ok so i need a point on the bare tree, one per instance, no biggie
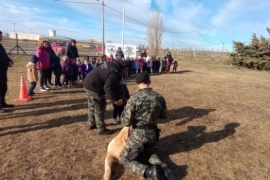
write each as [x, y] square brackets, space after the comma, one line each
[154, 34]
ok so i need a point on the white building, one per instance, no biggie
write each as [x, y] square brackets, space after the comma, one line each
[52, 32]
[24, 36]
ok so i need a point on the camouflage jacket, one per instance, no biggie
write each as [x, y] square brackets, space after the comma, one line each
[144, 108]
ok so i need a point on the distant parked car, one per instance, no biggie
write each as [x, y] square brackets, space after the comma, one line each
[99, 49]
[59, 47]
[88, 46]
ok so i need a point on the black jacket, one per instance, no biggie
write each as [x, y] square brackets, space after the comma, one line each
[119, 55]
[105, 79]
[57, 68]
[4, 59]
[72, 52]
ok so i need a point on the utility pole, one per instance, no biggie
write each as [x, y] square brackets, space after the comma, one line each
[194, 50]
[14, 27]
[222, 46]
[102, 4]
[103, 28]
[123, 25]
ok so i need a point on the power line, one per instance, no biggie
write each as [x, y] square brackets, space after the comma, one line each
[138, 22]
[206, 39]
[143, 23]
[77, 2]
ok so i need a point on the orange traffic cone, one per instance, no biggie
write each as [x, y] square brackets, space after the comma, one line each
[23, 92]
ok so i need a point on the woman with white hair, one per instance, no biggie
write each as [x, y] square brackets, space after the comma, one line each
[148, 61]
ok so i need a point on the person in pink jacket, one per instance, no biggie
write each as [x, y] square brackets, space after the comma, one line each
[43, 64]
[140, 63]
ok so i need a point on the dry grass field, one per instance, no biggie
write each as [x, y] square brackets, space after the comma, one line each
[218, 127]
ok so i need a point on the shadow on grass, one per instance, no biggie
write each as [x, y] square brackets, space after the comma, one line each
[68, 91]
[194, 138]
[181, 72]
[185, 114]
[53, 123]
[68, 105]
[62, 121]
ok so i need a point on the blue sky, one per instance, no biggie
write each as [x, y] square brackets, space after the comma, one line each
[216, 21]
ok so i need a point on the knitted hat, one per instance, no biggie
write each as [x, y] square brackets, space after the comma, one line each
[33, 59]
[142, 77]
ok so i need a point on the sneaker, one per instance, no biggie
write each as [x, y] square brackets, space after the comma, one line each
[59, 87]
[116, 121]
[5, 105]
[47, 88]
[43, 89]
[105, 131]
[92, 127]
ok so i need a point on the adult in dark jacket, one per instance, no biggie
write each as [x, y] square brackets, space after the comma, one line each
[154, 66]
[103, 80]
[50, 70]
[71, 50]
[119, 55]
[157, 65]
[57, 71]
[5, 63]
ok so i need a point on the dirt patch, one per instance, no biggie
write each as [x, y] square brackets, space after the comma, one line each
[218, 127]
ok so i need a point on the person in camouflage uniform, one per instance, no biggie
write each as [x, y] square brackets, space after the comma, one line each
[142, 112]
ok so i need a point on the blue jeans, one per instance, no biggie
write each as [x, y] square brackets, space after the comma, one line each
[31, 88]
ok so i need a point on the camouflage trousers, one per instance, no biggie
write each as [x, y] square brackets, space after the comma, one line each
[140, 151]
[96, 109]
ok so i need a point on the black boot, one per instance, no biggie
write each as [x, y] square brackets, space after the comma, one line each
[155, 172]
[169, 174]
[5, 105]
[1, 110]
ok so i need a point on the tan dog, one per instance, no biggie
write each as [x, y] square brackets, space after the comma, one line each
[115, 150]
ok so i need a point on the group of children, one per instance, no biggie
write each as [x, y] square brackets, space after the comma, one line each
[152, 65]
[71, 70]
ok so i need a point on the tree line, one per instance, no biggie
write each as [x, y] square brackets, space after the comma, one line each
[256, 55]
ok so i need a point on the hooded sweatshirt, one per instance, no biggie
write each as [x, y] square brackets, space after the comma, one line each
[105, 79]
[44, 58]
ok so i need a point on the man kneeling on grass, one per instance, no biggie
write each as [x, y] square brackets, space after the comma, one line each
[142, 112]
